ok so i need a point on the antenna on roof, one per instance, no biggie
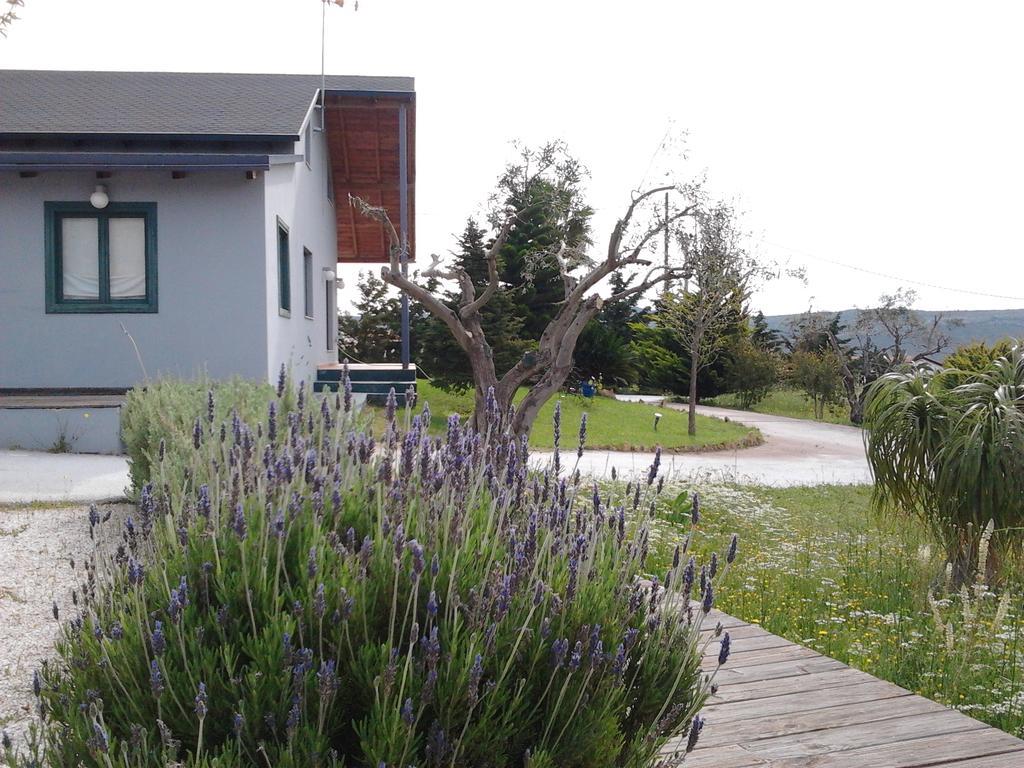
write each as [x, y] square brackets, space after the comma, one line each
[323, 55]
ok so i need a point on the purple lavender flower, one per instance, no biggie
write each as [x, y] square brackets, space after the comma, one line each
[713, 567]
[347, 389]
[432, 604]
[203, 501]
[583, 435]
[238, 724]
[116, 631]
[709, 598]
[158, 642]
[209, 406]
[724, 648]
[327, 679]
[99, 740]
[310, 464]
[136, 573]
[201, 701]
[156, 679]
[695, 509]
[272, 421]
[293, 716]
[652, 473]
[476, 673]
[418, 563]
[733, 546]
[696, 726]
[577, 656]
[408, 716]
[238, 524]
[319, 602]
[391, 406]
[619, 662]
[437, 745]
[37, 683]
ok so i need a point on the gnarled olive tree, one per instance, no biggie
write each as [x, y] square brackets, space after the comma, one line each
[631, 244]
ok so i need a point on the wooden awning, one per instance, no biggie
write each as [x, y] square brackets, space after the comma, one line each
[365, 145]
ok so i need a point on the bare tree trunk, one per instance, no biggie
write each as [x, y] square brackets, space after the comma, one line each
[691, 415]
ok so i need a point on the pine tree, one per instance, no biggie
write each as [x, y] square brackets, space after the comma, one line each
[373, 334]
[551, 215]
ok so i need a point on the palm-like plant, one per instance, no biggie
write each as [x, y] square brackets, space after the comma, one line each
[948, 445]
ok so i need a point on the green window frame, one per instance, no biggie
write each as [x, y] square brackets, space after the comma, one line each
[284, 281]
[104, 303]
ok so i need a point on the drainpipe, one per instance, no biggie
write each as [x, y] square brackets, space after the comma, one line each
[403, 221]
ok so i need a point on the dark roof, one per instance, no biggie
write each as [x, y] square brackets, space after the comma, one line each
[169, 103]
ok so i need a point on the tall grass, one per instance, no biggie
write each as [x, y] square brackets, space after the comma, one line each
[820, 568]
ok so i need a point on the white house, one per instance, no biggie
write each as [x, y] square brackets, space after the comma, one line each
[178, 224]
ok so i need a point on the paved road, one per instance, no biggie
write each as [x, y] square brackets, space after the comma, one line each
[795, 452]
[62, 477]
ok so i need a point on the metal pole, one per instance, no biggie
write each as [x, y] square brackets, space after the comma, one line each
[403, 221]
[668, 283]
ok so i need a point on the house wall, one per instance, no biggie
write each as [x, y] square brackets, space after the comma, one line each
[298, 195]
[211, 290]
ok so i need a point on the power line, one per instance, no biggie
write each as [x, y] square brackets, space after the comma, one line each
[897, 278]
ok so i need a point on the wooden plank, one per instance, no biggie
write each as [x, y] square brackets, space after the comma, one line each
[748, 644]
[844, 738]
[801, 722]
[762, 689]
[916, 753]
[737, 633]
[1004, 760]
[723, 757]
[768, 656]
[739, 675]
[875, 690]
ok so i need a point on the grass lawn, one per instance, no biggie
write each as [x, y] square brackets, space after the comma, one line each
[785, 402]
[611, 424]
[822, 569]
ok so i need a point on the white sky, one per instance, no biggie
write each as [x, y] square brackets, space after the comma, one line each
[885, 135]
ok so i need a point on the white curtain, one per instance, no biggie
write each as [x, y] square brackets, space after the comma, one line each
[127, 258]
[80, 258]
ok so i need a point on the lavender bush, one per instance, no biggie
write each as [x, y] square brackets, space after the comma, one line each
[295, 592]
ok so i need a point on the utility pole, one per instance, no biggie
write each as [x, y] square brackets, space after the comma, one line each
[668, 283]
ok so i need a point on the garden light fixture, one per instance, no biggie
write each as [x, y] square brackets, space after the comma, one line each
[99, 198]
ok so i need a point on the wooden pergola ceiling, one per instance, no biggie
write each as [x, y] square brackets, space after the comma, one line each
[363, 137]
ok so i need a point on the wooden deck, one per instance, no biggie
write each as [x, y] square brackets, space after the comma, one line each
[780, 705]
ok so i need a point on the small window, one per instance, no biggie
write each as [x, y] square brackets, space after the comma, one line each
[100, 260]
[307, 144]
[331, 310]
[307, 281]
[284, 285]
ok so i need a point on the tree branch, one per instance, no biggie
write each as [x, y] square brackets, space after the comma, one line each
[392, 274]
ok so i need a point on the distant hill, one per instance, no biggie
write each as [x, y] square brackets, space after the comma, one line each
[986, 325]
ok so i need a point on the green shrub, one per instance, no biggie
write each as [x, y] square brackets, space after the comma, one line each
[166, 411]
[292, 592]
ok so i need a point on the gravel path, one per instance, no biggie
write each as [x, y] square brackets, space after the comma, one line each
[37, 546]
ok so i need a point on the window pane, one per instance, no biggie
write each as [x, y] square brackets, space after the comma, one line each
[307, 269]
[127, 258]
[80, 258]
[283, 276]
